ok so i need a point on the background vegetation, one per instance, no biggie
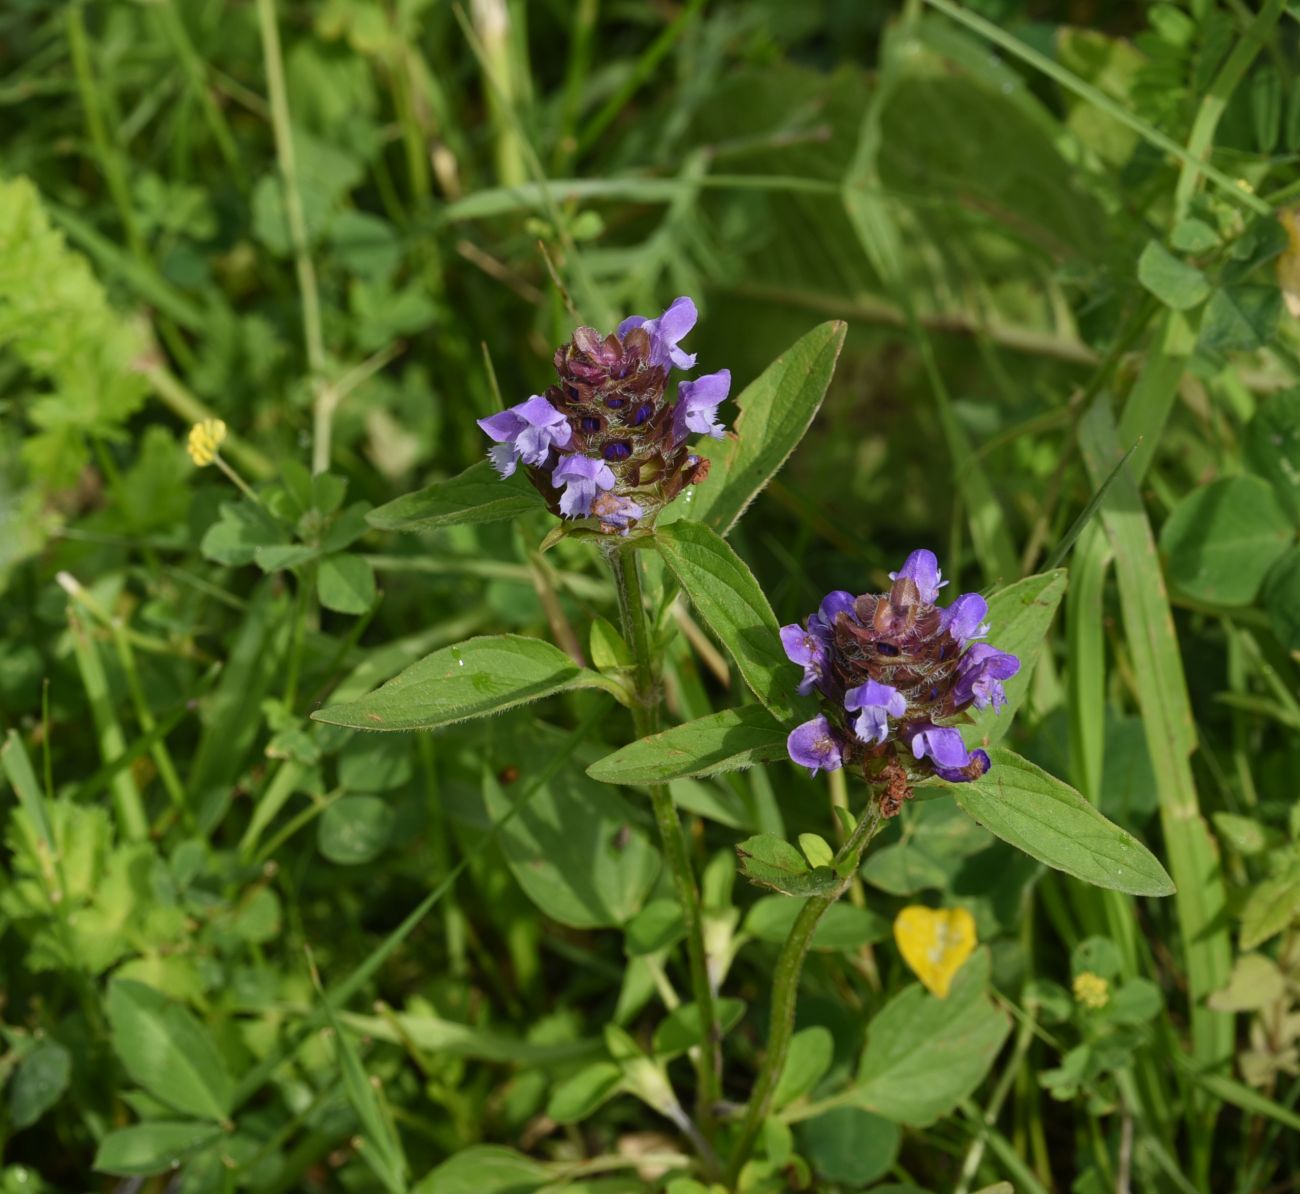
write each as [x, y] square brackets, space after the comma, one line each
[349, 228]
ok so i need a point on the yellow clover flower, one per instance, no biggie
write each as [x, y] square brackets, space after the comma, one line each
[205, 440]
[1091, 990]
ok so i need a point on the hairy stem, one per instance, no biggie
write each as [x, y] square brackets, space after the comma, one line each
[645, 717]
[785, 991]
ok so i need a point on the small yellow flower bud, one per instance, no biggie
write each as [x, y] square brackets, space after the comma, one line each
[205, 439]
[1091, 990]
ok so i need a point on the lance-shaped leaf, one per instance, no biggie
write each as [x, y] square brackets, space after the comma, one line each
[476, 495]
[475, 678]
[727, 597]
[774, 412]
[725, 741]
[1050, 821]
[156, 1146]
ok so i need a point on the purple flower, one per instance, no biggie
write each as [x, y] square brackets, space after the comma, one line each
[808, 650]
[922, 567]
[877, 702]
[813, 745]
[665, 331]
[527, 431]
[582, 477]
[942, 745]
[977, 766]
[697, 405]
[616, 511]
[963, 619]
[834, 603]
[980, 673]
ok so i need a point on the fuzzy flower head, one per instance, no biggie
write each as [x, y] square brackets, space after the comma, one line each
[897, 675]
[205, 440]
[605, 442]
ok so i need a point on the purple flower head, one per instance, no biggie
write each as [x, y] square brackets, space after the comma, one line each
[808, 650]
[616, 512]
[877, 702]
[835, 602]
[526, 431]
[975, 767]
[964, 618]
[980, 673]
[582, 477]
[813, 745]
[922, 567]
[697, 405]
[665, 331]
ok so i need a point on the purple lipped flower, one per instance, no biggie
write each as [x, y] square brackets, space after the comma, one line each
[808, 649]
[942, 745]
[964, 618]
[835, 602]
[665, 331]
[526, 431]
[922, 567]
[977, 766]
[980, 673]
[697, 405]
[814, 745]
[877, 704]
[616, 512]
[582, 477]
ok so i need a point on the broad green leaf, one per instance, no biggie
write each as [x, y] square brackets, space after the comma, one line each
[1282, 599]
[167, 1051]
[658, 926]
[1170, 279]
[849, 1145]
[1050, 821]
[485, 1169]
[477, 495]
[472, 679]
[775, 411]
[39, 1082]
[382, 1150]
[577, 849]
[728, 599]
[1221, 540]
[354, 829]
[1242, 318]
[1256, 982]
[771, 862]
[156, 1146]
[816, 849]
[842, 927]
[681, 1029]
[1273, 906]
[723, 741]
[1273, 445]
[577, 1097]
[1019, 617]
[924, 1055]
[345, 583]
[809, 1057]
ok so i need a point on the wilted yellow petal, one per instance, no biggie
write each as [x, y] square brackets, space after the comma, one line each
[934, 943]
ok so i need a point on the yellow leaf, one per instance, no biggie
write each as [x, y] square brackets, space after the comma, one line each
[934, 943]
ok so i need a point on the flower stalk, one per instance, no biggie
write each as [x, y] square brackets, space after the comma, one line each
[785, 987]
[621, 555]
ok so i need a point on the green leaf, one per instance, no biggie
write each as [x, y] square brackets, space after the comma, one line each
[658, 926]
[1221, 540]
[473, 679]
[1193, 236]
[771, 862]
[477, 495]
[579, 1096]
[39, 1082]
[816, 849]
[608, 650]
[1256, 982]
[1050, 821]
[346, 584]
[842, 927]
[681, 1028]
[167, 1051]
[728, 599]
[924, 1055]
[1282, 599]
[1170, 279]
[1242, 318]
[1019, 618]
[809, 1057]
[354, 829]
[1273, 444]
[850, 1145]
[577, 849]
[725, 741]
[775, 412]
[1272, 907]
[153, 1147]
[485, 1169]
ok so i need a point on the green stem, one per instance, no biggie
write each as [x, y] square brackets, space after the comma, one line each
[645, 718]
[785, 992]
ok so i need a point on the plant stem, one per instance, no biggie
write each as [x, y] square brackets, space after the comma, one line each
[645, 718]
[785, 991]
